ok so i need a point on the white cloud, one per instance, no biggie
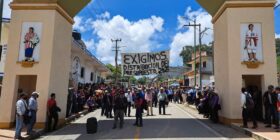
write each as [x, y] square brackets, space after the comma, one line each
[81, 24]
[136, 36]
[90, 44]
[277, 35]
[183, 38]
[105, 15]
[6, 9]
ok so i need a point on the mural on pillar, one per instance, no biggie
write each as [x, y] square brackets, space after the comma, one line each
[251, 42]
[30, 42]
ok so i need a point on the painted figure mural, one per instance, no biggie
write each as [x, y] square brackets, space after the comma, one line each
[31, 40]
[251, 42]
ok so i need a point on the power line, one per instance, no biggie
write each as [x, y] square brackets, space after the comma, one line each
[277, 6]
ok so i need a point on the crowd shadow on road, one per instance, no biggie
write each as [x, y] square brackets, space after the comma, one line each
[152, 128]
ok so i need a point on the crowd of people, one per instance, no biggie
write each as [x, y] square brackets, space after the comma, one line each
[251, 104]
[118, 101]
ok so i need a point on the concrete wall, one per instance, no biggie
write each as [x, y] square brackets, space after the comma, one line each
[228, 67]
[221, 61]
[4, 42]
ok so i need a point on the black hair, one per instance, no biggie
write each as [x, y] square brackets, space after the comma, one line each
[243, 89]
[250, 25]
[22, 94]
[53, 94]
[31, 28]
[271, 87]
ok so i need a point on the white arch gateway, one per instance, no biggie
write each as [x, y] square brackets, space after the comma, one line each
[244, 52]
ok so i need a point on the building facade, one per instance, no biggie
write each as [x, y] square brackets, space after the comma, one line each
[206, 70]
[85, 67]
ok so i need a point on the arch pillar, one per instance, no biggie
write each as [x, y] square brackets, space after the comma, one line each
[47, 71]
[233, 69]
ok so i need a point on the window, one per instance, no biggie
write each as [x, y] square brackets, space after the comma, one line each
[204, 64]
[82, 72]
[91, 76]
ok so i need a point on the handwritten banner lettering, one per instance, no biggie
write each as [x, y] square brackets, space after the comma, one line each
[145, 63]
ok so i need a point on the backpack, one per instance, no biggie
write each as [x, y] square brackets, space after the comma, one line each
[249, 102]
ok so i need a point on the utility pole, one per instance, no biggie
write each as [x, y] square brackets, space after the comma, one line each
[194, 25]
[116, 49]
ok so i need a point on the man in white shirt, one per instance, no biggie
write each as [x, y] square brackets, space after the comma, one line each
[149, 99]
[21, 107]
[162, 98]
[128, 96]
[33, 107]
[246, 111]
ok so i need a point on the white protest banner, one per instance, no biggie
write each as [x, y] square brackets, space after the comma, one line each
[145, 63]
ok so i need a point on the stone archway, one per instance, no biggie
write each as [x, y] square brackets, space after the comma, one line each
[230, 19]
[56, 18]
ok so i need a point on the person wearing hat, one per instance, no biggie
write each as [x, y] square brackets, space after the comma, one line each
[128, 96]
[21, 108]
[162, 98]
[108, 103]
[33, 107]
[149, 99]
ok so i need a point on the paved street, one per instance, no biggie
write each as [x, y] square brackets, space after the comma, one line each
[177, 124]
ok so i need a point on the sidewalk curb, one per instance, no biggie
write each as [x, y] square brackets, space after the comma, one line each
[248, 132]
[41, 132]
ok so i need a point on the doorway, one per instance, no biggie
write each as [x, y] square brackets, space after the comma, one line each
[27, 83]
[253, 83]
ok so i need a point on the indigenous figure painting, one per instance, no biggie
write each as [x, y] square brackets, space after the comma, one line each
[251, 42]
[30, 42]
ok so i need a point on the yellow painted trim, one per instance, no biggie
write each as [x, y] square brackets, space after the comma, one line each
[228, 121]
[241, 4]
[43, 6]
[6, 125]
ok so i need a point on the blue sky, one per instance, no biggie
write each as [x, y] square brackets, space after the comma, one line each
[143, 25]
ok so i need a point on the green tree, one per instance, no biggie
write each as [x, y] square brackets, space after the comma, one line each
[186, 54]
[115, 72]
[187, 51]
[142, 80]
[277, 43]
[132, 80]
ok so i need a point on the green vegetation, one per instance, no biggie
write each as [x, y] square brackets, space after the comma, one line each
[187, 51]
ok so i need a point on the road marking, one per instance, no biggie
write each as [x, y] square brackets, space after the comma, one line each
[201, 123]
[137, 134]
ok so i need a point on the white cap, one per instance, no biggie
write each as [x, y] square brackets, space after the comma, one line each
[35, 93]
